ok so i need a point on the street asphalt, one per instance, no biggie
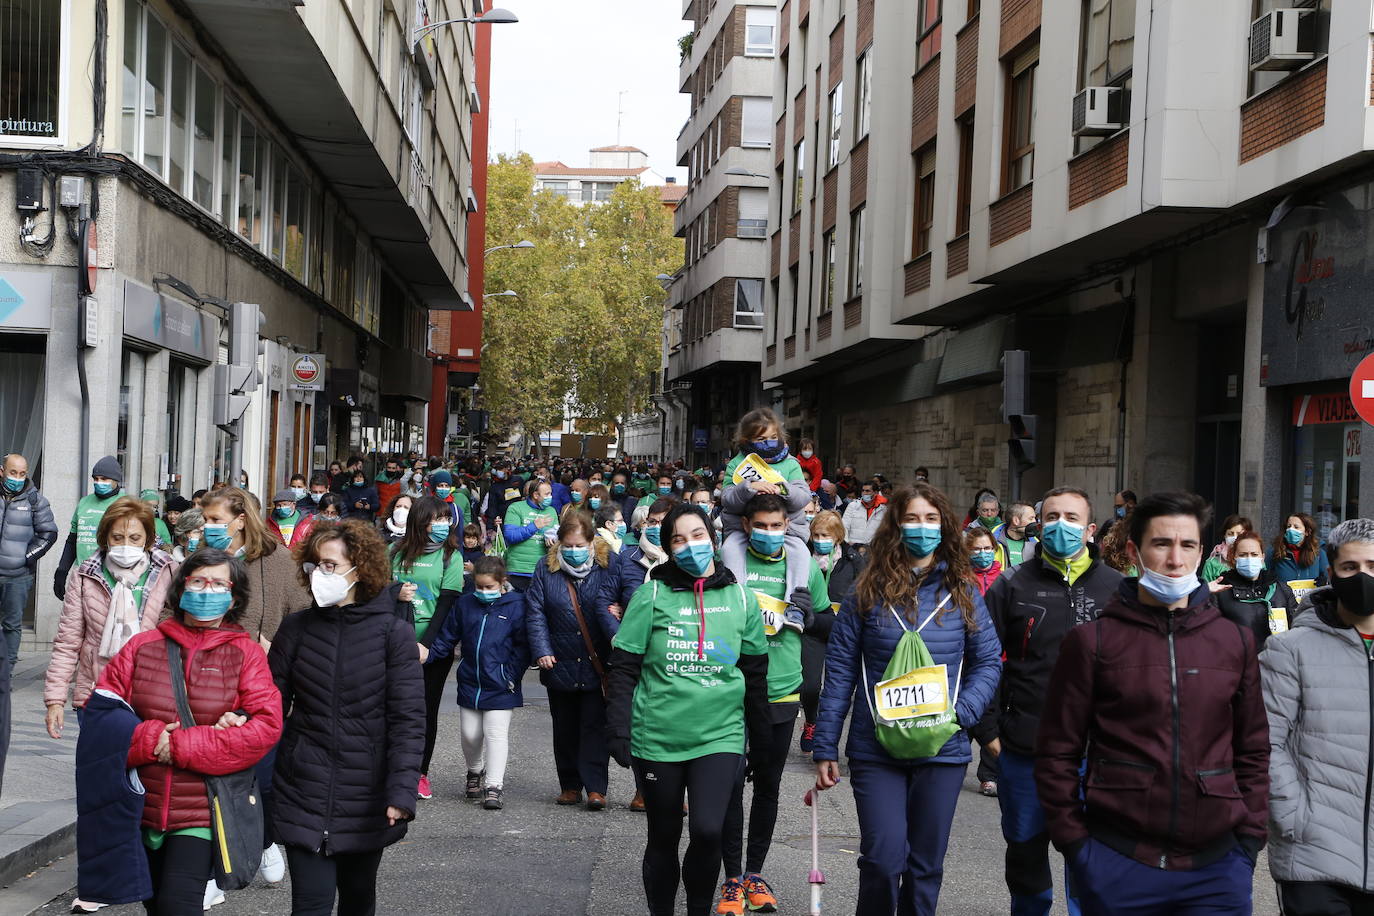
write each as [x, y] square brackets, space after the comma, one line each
[537, 859]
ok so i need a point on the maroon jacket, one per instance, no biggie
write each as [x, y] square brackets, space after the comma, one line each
[1168, 712]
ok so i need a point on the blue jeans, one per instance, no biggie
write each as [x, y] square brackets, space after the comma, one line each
[1028, 840]
[1111, 884]
[14, 597]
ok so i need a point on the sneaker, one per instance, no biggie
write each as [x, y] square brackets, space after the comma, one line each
[731, 898]
[758, 895]
[213, 895]
[988, 788]
[424, 791]
[273, 867]
[85, 906]
[808, 738]
[493, 800]
[474, 787]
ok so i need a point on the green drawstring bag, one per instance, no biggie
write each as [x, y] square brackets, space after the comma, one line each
[497, 547]
[913, 714]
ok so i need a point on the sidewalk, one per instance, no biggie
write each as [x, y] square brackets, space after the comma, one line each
[38, 807]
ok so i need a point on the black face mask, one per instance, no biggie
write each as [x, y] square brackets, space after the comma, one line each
[1033, 530]
[393, 475]
[1356, 593]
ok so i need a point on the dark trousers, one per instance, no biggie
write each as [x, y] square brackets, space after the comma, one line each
[813, 667]
[519, 583]
[905, 815]
[179, 871]
[707, 782]
[1111, 884]
[435, 675]
[1028, 839]
[763, 811]
[315, 879]
[579, 740]
[263, 770]
[987, 765]
[14, 597]
[1315, 898]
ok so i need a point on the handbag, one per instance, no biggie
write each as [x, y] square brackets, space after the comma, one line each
[236, 827]
[586, 636]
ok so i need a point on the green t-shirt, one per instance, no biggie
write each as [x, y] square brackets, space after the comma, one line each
[138, 589]
[645, 485]
[287, 527]
[787, 468]
[522, 558]
[1014, 550]
[767, 577]
[430, 578]
[686, 706]
[1215, 566]
[86, 519]
[164, 536]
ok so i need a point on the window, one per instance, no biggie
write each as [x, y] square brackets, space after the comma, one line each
[753, 213]
[864, 96]
[251, 171]
[799, 173]
[1019, 163]
[927, 30]
[176, 147]
[759, 26]
[856, 253]
[314, 266]
[206, 117]
[748, 303]
[128, 87]
[154, 107]
[1108, 42]
[923, 207]
[31, 54]
[964, 205]
[757, 127]
[828, 278]
[973, 7]
[597, 191]
[794, 275]
[1261, 80]
[836, 117]
[278, 205]
[294, 241]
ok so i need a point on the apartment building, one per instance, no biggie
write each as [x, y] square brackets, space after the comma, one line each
[167, 162]
[715, 323]
[1166, 203]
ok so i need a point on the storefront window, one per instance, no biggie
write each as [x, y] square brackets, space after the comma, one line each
[1326, 459]
[31, 54]
[21, 396]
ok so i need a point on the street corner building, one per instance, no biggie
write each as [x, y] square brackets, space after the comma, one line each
[228, 234]
[1166, 206]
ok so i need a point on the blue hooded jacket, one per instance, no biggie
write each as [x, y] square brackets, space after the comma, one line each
[553, 629]
[495, 650]
[111, 864]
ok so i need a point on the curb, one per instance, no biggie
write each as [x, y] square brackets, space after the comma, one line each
[51, 837]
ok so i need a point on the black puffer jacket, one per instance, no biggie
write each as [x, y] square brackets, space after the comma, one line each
[1249, 602]
[354, 702]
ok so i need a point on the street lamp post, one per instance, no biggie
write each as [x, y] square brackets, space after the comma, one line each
[526, 244]
[490, 17]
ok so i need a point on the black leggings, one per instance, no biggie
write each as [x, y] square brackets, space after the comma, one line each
[763, 812]
[180, 870]
[707, 782]
[436, 676]
[813, 669]
[315, 878]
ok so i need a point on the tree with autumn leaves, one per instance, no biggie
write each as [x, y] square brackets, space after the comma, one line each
[585, 325]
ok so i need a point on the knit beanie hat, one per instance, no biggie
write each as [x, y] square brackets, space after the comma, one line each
[440, 478]
[178, 504]
[108, 467]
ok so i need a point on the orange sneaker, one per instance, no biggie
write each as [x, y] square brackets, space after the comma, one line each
[759, 895]
[731, 898]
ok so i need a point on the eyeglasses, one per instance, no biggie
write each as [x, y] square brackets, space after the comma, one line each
[328, 567]
[202, 584]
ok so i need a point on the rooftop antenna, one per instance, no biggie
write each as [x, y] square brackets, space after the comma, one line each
[620, 113]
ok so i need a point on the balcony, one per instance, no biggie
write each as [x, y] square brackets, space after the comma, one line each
[724, 345]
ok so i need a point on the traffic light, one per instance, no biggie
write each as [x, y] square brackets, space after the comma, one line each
[228, 406]
[1015, 383]
[240, 378]
[1022, 441]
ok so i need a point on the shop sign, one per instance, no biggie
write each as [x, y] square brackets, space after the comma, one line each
[307, 372]
[1318, 322]
[1319, 409]
[168, 323]
[699, 438]
[25, 299]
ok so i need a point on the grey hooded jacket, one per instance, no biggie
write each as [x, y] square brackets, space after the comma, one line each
[1319, 694]
[27, 531]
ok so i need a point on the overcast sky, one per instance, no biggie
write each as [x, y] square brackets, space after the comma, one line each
[557, 73]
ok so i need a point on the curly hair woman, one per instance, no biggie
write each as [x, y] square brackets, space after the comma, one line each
[918, 578]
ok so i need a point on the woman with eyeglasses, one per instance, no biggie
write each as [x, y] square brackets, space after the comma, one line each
[237, 711]
[354, 701]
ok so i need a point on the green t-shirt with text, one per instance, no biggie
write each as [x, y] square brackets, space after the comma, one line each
[768, 579]
[686, 706]
[430, 578]
[86, 520]
[522, 558]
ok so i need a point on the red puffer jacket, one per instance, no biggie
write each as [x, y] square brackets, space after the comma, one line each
[225, 670]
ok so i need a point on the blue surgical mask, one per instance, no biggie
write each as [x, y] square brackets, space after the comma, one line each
[809, 516]
[577, 496]
[694, 557]
[217, 536]
[1120, 511]
[298, 492]
[14, 484]
[438, 531]
[192, 544]
[921, 540]
[983, 559]
[767, 543]
[1168, 589]
[620, 529]
[283, 513]
[618, 489]
[823, 546]
[867, 497]
[651, 534]
[1294, 536]
[316, 497]
[443, 492]
[1062, 538]
[575, 556]
[594, 502]
[206, 605]
[665, 491]
[1250, 567]
[105, 489]
[488, 595]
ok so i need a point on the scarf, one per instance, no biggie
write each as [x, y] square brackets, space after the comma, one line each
[654, 553]
[391, 526]
[122, 619]
[577, 572]
[610, 539]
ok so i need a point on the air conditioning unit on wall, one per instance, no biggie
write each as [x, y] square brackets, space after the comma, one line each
[1099, 111]
[1283, 39]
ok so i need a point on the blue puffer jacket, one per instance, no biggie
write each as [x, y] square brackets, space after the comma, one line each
[496, 651]
[552, 625]
[111, 866]
[875, 635]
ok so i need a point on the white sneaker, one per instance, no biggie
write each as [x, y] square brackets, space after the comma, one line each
[213, 895]
[273, 867]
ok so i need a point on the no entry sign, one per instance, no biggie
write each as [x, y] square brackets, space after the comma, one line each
[1362, 389]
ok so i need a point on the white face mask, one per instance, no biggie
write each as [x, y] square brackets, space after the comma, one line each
[125, 556]
[806, 453]
[400, 515]
[330, 588]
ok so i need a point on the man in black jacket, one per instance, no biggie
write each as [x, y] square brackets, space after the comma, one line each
[27, 531]
[1034, 606]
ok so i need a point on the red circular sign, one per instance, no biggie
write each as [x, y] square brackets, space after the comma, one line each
[92, 253]
[305, 369]
[1362, 389]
